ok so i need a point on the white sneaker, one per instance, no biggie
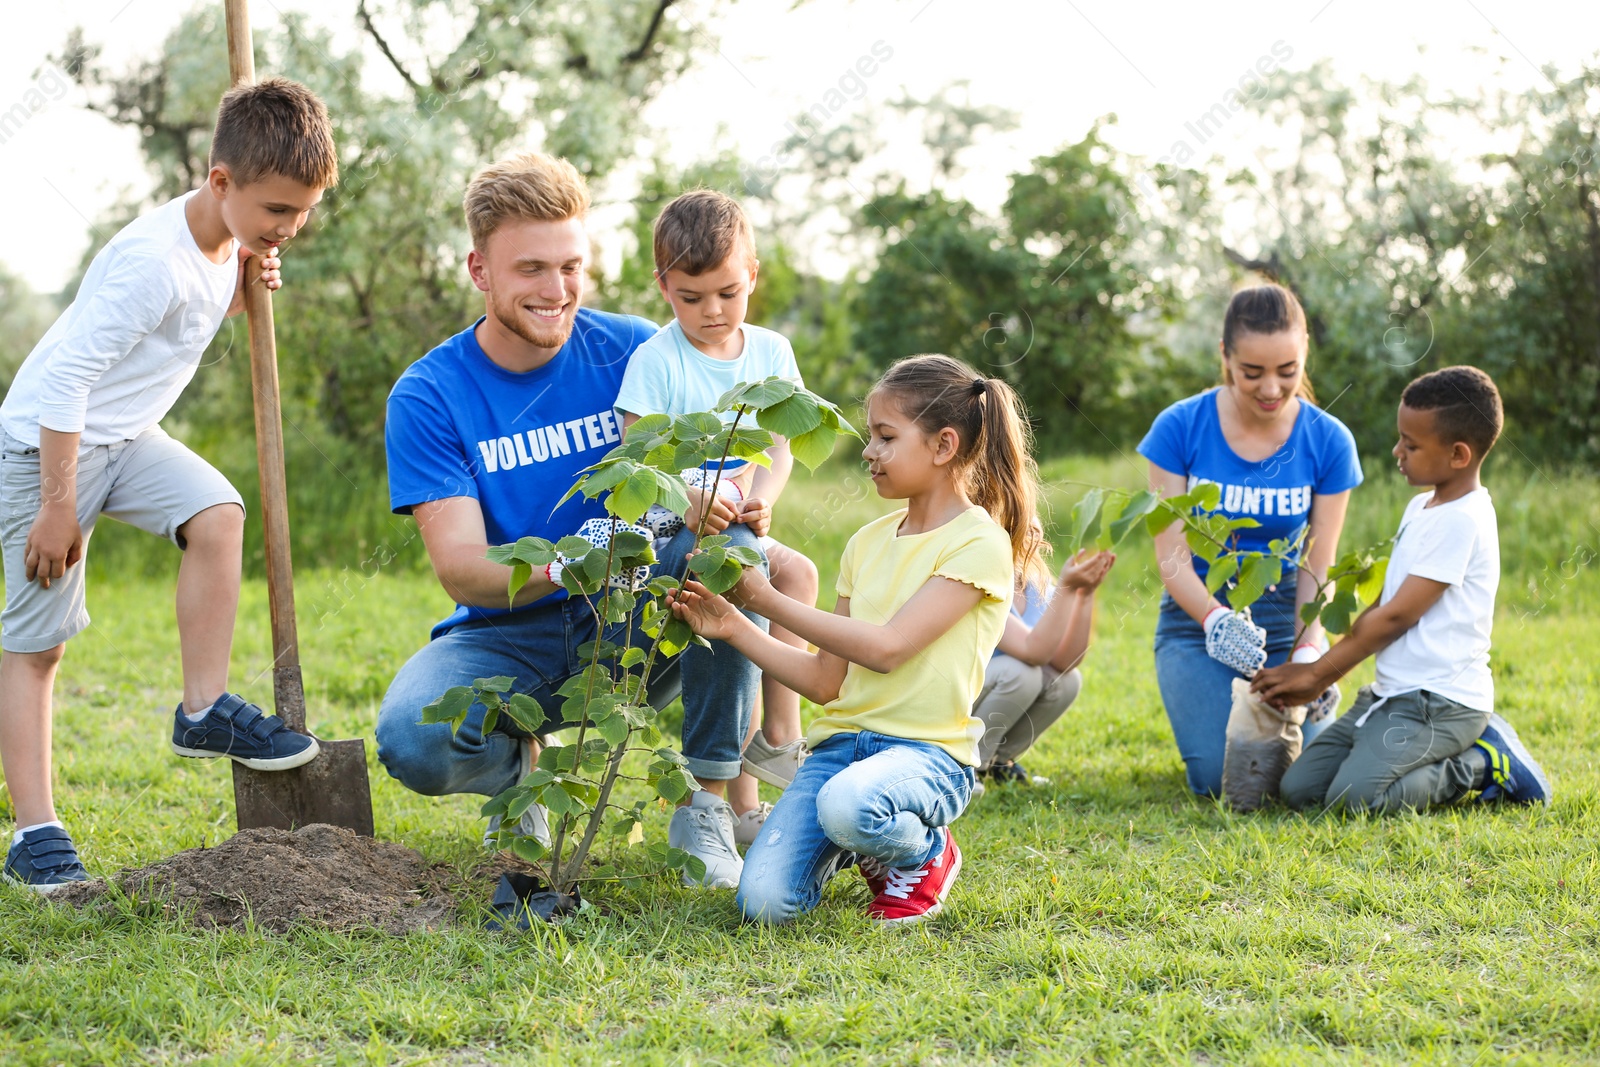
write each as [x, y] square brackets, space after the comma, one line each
[535, 822]
[775, 766]
[748, 825]
[704, 828]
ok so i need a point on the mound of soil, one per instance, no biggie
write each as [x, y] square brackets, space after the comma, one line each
[318, 874]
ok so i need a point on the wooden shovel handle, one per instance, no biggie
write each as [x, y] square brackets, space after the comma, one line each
[288, 689]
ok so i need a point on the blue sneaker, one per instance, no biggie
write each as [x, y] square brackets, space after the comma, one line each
[45, 860]
[243, 732]
[1513, 774]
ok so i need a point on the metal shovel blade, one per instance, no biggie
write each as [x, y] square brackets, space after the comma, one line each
[331, 789]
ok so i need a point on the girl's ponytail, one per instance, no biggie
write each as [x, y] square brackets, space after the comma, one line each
[996, 454]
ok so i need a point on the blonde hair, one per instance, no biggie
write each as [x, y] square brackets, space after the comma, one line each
[996, 450]
[529, 186]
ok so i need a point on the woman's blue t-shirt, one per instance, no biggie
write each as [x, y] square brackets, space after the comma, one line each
[1318, 459]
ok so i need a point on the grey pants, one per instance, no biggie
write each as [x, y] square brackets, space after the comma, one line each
[1018, 703]
[1412, 751]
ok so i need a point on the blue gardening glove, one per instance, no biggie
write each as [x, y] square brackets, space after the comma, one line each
[598, 533]
[1234, 641]
[1325, 706]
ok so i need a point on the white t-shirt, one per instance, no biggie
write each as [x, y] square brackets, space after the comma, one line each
[670, 376]
[1447, 651]
[116, 360]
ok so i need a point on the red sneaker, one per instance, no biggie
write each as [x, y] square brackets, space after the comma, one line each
[874, 872]
[914, 894]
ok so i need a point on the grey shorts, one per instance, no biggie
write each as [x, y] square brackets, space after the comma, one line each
[152, 482]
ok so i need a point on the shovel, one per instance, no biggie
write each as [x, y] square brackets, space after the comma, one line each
[333, 787]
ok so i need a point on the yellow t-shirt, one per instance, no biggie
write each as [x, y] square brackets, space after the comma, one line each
[929, 697]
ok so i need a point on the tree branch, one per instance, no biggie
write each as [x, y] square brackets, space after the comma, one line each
[365, 18]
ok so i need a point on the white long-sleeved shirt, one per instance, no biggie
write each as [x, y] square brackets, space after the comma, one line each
[117, 359]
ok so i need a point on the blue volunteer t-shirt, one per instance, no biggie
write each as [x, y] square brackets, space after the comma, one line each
[461, 425]
[1319, 459]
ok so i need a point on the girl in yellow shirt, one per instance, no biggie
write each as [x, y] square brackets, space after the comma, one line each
[923, 597]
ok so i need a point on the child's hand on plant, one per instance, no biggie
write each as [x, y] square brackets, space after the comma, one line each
[707, 614]
[1289, 683]
[1086, 570]
[721, 514]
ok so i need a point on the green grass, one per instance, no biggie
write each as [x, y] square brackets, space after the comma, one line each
[1108, 916]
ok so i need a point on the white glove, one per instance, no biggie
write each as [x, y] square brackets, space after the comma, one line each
[598, 533]
[1234, 641]
[1326, 705]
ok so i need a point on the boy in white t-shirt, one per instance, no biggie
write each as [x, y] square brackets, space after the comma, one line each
[706, 268]
[80, 437]
[1424, 732]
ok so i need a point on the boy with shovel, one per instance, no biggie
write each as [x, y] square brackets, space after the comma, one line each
[80, 437]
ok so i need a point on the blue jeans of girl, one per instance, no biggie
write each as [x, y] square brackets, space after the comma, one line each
[857, 793]
[1196, 689]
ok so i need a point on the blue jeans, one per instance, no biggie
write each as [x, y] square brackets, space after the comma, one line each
[538, 648]
[864, 793]
[1196, 689]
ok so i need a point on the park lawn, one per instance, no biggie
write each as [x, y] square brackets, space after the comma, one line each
[1106, 916]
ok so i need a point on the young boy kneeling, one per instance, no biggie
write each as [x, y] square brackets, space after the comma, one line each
[1424, 732]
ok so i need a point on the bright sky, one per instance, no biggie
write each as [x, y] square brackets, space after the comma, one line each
[1158, 65]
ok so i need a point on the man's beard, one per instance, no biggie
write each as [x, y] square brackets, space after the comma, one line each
[538, 334]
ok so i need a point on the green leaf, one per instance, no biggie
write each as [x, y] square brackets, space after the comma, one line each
[746, 555]
[813, 447]
[525, 712]
[792, 417]
[498, 684]
[520, 573]
[766, 393]
[632, 657]
[662, 584]
[451, 705]
[1219, 573]
[1162, 517]
[1201, 544]
[573, 547]
[1256, 572]
[1085, 519]
[630, 500]
[1309, 611]
[1336, 616]
[1109, 511]
[616, 606]
[529, 850]
[695, 425]
[1207, 495]
[650, 425]
[723, 578]
[670, 492]
[1369, 587]
[1140, 506]
[708, 559]
[676, 636]
[614, 730]
[749, 442]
